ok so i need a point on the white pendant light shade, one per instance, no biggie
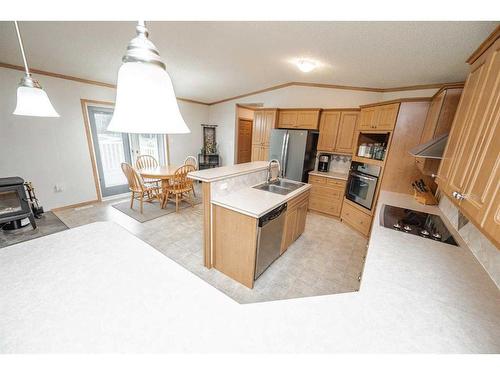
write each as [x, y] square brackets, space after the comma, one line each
[146, 102]
[145, 97]
[33, 101]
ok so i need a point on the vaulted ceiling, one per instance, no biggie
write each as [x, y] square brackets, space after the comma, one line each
[209, 61]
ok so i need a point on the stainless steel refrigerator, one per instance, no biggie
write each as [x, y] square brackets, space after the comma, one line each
[296, 152]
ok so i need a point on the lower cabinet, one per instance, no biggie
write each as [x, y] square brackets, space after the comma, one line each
[295, 220]
[326, 195]
[356, 218]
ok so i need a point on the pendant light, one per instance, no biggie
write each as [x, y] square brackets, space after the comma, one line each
[31, 99]
[145, 97]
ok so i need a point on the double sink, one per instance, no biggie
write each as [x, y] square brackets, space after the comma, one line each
[280, 186]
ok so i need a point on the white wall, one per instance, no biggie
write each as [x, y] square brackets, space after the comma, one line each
[223, 114]
[183, 145]
[49, 151]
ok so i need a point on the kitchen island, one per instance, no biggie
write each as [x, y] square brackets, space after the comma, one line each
[232, 208]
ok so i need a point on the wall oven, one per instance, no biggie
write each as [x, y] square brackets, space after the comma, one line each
[362, 183]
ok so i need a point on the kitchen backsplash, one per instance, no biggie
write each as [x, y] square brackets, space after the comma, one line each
[338, 163]
[484, 251]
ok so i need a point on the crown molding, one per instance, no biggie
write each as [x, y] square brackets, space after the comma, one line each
[79, 80]
[271, 88]
[484, 45]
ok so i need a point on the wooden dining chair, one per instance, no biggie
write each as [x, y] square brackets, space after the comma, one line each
[147, 161]
[180, 187]
[138, 189]
[191, 160]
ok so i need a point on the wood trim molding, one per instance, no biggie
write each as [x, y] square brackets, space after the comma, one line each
[271, 88]
[76, 205]
[80, 80]
[400, 100]
[340, 109]
[449, 87]
[484, 45]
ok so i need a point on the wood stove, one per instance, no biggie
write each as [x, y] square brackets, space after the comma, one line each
[14, 204]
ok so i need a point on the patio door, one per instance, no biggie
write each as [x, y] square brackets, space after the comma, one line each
[111, 149]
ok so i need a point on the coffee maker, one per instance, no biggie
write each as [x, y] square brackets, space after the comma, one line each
[324, 163]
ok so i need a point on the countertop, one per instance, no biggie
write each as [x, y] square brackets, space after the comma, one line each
[222, 173]
[416, 295]
[336, 175]
[255, 202]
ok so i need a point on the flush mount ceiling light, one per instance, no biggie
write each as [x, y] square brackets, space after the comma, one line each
[145, 97]
[31, 99]
[306, 65]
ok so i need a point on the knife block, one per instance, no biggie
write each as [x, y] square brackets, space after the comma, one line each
[426, 198]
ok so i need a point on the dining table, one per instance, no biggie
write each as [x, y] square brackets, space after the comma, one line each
[164, 173]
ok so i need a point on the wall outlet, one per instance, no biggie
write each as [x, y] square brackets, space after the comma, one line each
[58, 188]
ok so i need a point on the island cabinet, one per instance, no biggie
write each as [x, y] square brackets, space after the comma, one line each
[298, 119]
[379, 117]
[470, 170]
[337, 131]
[295, 220]
[264, 122]
[326, 195]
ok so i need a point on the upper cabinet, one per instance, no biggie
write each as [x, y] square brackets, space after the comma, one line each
[298, 118]
[264, 121]
[470, 170]
[380, 117]
[336, 131]
[438, 122]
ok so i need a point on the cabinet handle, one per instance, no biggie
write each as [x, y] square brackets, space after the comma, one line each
[458, 196]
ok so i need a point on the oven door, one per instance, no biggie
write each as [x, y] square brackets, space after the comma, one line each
[361, 189]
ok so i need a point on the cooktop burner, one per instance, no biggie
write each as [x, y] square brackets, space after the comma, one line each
[415, 222]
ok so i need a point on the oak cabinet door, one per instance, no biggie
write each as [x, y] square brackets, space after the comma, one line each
[368, 118]
[300, 224]
[290, 228]
[287, 119]
[307, 119]
[432, 117]
[483, 142]
[386, 116]
[458, 154]
[268, 123]
[328, 129]
[345, 135]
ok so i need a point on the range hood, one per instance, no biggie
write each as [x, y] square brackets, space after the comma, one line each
[434, 149]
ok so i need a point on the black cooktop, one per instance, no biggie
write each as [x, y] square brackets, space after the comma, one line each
[415, 222]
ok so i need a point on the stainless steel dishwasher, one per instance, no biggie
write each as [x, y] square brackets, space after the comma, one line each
[269, 234]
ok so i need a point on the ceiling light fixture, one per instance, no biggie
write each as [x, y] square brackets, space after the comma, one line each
[31, 99]
[306, 65]
[145, 97]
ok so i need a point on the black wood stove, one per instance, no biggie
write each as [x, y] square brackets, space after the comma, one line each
[14, 205]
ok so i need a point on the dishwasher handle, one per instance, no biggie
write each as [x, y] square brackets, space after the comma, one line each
[272, 215]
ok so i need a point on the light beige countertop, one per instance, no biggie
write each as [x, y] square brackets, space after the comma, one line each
[255, 202]
[416, 296]
[336, 175]
[221, 173]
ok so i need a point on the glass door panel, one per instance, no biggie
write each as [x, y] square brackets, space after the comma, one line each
[148, 144]
[111, 149]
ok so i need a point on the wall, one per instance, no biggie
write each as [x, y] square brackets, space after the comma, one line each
[183, 145]
[484, 251]
[224, 114]
[49, 151]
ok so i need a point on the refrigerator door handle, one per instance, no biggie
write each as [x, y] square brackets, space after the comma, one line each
[282, 159]
[285, 155]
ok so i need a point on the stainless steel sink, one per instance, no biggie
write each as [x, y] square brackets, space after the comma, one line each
[279, 187]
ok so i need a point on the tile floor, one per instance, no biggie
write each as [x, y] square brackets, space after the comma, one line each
[328, 258]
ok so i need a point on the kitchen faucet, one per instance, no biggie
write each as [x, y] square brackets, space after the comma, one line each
[269, 168]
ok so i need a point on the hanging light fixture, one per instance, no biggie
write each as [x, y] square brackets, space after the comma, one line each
[145, 97]
[31, 99]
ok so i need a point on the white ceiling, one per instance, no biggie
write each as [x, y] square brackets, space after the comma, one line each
[209, 61]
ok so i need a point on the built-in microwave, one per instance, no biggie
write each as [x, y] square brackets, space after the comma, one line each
[362, 183]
